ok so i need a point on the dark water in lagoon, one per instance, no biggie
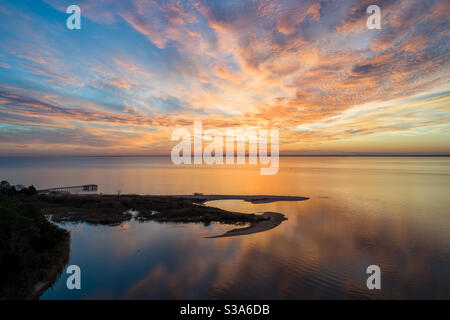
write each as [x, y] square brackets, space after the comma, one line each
[393, 212]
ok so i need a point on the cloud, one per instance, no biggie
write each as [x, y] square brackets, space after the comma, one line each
[285, 63]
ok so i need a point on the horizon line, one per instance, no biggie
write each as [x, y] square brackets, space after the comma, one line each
[281, 155]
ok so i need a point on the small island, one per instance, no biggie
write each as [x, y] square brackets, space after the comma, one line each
[115, 209]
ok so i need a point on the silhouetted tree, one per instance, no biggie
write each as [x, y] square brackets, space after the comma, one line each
[30, 191]
[4, 185]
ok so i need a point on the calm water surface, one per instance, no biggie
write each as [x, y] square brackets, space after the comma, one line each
[393, 212]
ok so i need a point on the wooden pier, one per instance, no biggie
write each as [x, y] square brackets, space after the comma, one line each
[84, 188]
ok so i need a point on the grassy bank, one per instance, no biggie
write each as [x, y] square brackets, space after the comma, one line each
[112, 209]
[33, 251]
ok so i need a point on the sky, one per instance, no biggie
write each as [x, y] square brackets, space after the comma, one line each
[138, 69]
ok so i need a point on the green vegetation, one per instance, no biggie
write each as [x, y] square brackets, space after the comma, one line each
[6, 188]
[33, 251]
[110, 209]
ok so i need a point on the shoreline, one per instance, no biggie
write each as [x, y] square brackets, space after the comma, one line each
[43, 251]
[255, 199]
[272, 220]
[54, 272]
[199, 198]
[112, 210]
